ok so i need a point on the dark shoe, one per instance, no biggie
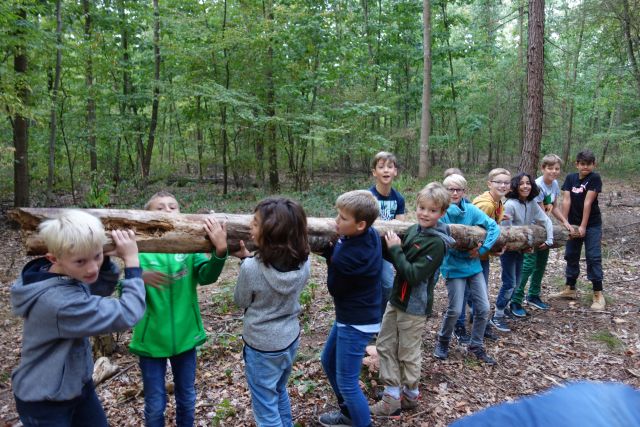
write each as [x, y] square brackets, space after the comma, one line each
[461, 335]
[517, 310]
[489, 333]
[481, 355]
[537, 303]
[442, 349]
[500, 323]
[334, 419]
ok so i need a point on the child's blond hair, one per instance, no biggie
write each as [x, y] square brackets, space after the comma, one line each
[386, 156]
[497, 171]
[455, 179]
[437, 193]
[72, 232]
[550, 160]
[361, 204]
[161, 193]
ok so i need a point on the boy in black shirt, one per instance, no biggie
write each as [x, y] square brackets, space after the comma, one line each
[580, 206]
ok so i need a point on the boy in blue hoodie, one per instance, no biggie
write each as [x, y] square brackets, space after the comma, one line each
[353, 279]
[462, 270]
[62, 298]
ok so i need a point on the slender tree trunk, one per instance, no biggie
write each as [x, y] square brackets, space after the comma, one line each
[274, 184]
[223, 110]
[53, 122]
[629, 41]
[91, 103]
[425, 122]
[146, 161]
[522, 110]
[21, 123]
[571, 94]
[615, 117]
[535, 86]
[452, 84]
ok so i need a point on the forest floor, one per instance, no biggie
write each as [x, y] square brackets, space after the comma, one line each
[546, 349]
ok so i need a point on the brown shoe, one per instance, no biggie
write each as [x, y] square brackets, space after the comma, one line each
[598, 301]
[566, 293]
[408, 403]
[388, 406]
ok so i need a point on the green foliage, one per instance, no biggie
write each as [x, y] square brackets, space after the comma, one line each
[606, 337]
[223, 299]
[98, 194]
[223, 410]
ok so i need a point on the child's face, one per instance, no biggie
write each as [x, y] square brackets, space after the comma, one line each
[524, 188]
[499, 185]
[164, 204]
[551, 172]
[385, 171]
[585, 168]
[82, 267]
[456, 193]
[428, 213]
[255, 227]
[346, 224]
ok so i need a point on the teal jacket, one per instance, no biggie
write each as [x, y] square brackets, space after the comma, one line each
[172, 323]
[458, 264]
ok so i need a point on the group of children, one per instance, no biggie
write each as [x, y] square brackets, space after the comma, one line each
[63, 296]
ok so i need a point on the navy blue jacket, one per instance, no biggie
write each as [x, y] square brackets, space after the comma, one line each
[354, 278]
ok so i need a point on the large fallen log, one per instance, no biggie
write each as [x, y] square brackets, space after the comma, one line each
[183, 233]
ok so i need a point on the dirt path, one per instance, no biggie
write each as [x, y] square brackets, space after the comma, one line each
[568, 342]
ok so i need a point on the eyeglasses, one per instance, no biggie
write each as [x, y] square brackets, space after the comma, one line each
[499, 183]
[455, 190]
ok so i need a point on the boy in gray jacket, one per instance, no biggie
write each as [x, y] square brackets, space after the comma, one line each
[62, 298]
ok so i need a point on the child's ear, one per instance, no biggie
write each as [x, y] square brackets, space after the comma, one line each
[51, 258]
[361, 225]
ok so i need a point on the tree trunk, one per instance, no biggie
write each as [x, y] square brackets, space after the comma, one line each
[91, 103]
[21, 123]
[571, 93]
[148, 152]
[425, 123]
[452, 84]
[629, 41]
[272, 152]
[53, 122]
[535, 86]
[183, 233]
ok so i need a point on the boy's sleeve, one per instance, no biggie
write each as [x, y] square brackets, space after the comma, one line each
[509, 211]
[595, 184]
[208, 269]
[423, 267]
[566, 185]
[242, 294]
[94, 315]
[493, 231]
[540, 216]
[483, 204]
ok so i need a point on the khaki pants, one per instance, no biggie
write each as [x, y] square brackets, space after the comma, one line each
[399, 348]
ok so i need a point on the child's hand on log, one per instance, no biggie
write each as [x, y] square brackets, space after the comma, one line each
[156, 279]
[392, 239]
[475, 252]
[125, 247]
[243, 252]
[217, 233]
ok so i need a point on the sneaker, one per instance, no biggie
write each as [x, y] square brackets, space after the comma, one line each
[387, 407]
[500, 323]
[489, 333]
[537, 302]
[461, 335]
[334, 419]
[565, 293]
[517, 310]
[479, 353]
[407, 402]
[442, 349]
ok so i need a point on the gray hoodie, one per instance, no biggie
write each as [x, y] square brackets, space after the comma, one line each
[270, 299]
[59, 314]
[527, 213]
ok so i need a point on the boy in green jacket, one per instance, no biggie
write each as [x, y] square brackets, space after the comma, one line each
[416, 258]
[171, 327]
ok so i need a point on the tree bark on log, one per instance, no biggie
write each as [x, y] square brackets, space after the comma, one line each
[183, 233]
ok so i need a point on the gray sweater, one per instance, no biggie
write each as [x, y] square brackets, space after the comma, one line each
[59, 314]
[527, 213]
[270, 299]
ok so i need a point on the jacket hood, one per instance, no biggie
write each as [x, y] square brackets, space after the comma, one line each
[455, 211]
[441, 230]
[34, 281]
[283, 282]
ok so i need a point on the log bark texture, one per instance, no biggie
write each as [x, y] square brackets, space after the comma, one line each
[184, 233]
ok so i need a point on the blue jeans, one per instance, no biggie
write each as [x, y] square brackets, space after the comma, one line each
[154, 370]
[267, 375]
[341, 360]
[456, 289]
[463, 315]
[593, 254]
[386, 277]
[83, 411]
[511, 262]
